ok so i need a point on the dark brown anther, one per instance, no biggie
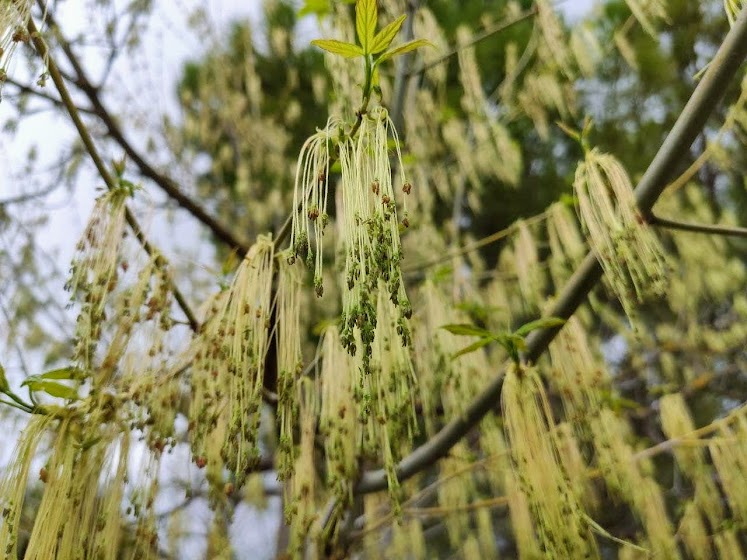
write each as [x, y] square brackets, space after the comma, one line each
[407, 187]
[375, 187]
[20, 36]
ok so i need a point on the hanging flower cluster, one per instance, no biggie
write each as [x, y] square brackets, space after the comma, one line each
[229, 368]
[631, 255]
[561, 529]
[93, 272]
[370, 231]
[310, 196]
[14, 17]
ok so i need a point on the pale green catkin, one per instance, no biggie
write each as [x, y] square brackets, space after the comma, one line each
[729, 455]
[14, 17]
[370, 231]
[14, 484]
[558, 517]
[339, 420]
[229, 367]
[631, 255]
[290, 361]
[300, 495]
[677, 423]
[94, 271]
[625, 477]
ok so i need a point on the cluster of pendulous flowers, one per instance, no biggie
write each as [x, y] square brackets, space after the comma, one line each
[369, 225]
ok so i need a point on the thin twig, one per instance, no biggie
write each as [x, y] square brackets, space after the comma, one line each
[497, 28]
[469, 247]
[25, 88]
[734, 231]
[166, 184]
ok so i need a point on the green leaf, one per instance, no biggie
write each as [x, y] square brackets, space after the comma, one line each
[348, 50]
[402, 49]
[472, 347]
[4, 387]
[543, 323]
[466, 330]
[64, 373]
[384, 38]
[52, 388]
[366, 16]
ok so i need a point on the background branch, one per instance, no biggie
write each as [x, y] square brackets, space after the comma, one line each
[85, 136]
[166, 184]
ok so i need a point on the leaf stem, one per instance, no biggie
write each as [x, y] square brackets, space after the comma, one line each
[18, 406]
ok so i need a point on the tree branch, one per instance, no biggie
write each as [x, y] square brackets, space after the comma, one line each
[25, 88]
[166, 184]
[497, 28]
[85, 136]
[402, 77]
[697, 228]
[692, 119]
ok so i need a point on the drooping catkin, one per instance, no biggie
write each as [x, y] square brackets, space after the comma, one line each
[66, 520]
[389, 389]
[310, 197]
[727, 544]
[625, 477]
[229, 364]
[339, 419]
[677, 423]
[558, 518]
[370, 231]
[290, 360]
[455, 493]
[14, 17]
[408, 541]
[693, 533]
[578, 374]
[729, 455]
[586, 48]
[647, 12]
[521, 518]
[531, 277]
[575, 466]
[732, 8]
[554, 45]
[630, 254]
[567, 246]
[14, 484]
[109, 523]
[486, 534]
[93, 271]
[300, 494]
[493, 151]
